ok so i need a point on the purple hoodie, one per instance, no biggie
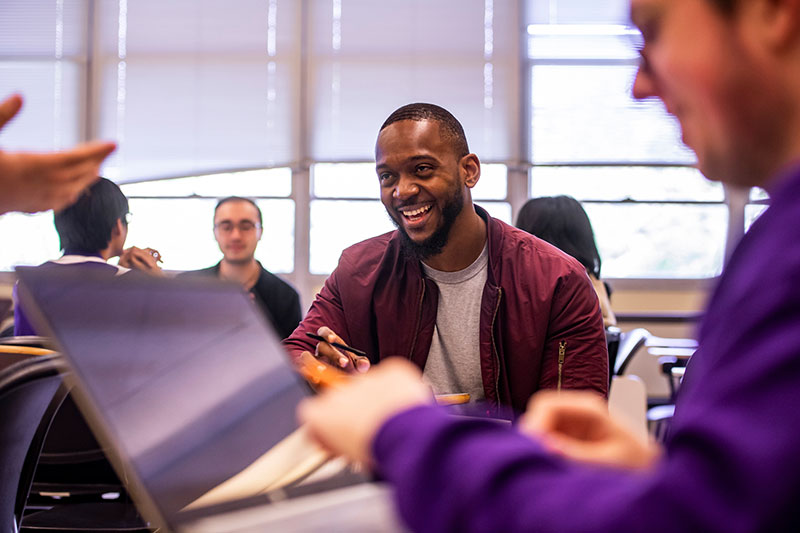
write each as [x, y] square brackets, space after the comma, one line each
[732, 459]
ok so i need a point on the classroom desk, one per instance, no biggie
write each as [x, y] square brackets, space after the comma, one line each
[364, 507]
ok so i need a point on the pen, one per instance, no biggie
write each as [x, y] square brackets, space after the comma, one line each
[337, 344]
[319, 373]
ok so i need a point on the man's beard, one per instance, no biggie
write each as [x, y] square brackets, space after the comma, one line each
[240, 261]
[434, 244]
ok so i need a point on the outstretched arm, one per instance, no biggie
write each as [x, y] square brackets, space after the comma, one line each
[32, 182]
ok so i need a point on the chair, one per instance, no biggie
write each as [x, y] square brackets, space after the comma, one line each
[28, 400]
[32, 341]
[613, 335]
[648, 357]
[31, 399]
[673, 365]
[6, 317]
[629, 343]
[670, 342]
[72, 465]
[672, 362]
[627, 401]
[659, 419]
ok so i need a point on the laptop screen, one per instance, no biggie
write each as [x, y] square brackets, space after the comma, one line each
[184, 377]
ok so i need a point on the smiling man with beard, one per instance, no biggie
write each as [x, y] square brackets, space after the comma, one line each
[478, 305]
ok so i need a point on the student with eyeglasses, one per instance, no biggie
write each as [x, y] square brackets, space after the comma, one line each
[237, 230]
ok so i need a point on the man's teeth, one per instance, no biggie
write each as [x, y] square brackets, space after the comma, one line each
[416, 212]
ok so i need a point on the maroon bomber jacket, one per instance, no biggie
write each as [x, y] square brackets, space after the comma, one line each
[540, 326]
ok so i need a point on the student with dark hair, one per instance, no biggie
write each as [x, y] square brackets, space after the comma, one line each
[730, 72]
[238, 226]
[93, 230]
[479, 306]
[561, 221]
[96, 224]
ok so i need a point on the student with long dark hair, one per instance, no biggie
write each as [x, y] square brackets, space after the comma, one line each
[561, 221]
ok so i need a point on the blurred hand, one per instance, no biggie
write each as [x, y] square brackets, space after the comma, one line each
[346, 419]
[577, 425]
[32, 182]
[143, 259]
[335, 357]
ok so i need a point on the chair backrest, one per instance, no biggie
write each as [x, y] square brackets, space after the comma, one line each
[27, 394]
[629, 343]
[31, 341]
[627, 401]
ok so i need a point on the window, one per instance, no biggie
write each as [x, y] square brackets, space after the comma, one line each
[209, 102]
[654, 216]
[27, 239]
[43, 56]
[759, 201]
[176, 217]
[194, 87]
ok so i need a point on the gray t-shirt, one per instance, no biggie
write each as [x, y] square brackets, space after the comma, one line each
[453, 363]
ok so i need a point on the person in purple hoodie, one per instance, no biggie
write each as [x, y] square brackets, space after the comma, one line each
[729, 70]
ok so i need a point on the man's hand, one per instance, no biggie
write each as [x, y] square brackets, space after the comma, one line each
[144, 259]
[32, 182]
[348, 362]
[578, 425]
[346, 419]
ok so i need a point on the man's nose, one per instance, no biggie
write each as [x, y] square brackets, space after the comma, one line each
[406, 188]
[643, 83]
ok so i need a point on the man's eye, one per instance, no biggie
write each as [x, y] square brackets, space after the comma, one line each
[422, 169]
[649, 33]
[644, 60]
[383, 176]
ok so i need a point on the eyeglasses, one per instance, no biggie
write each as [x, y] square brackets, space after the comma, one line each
[245, 226]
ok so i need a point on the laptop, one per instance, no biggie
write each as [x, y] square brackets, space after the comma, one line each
[187, 386]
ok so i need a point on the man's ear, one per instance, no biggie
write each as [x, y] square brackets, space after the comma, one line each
[778, 21]
[117, 229]
[471, 167]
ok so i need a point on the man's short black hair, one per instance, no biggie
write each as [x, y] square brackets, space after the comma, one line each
[85, 226]
[449, 127]
[239, 199]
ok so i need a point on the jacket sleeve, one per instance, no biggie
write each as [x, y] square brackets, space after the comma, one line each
[730, 462]
[471, 475]
[325, 311]
[576, 340]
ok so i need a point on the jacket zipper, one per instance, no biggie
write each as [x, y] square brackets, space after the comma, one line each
[494, 348]
[419, 319]
[562, 352]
